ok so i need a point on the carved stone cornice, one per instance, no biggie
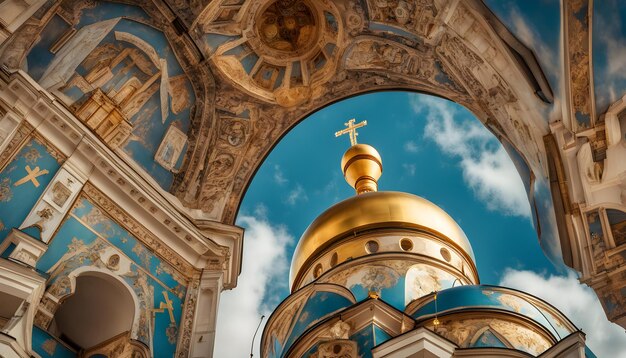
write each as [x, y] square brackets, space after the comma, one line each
[139, 231]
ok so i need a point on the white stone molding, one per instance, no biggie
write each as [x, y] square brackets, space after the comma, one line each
[205, 318]
[23, 283]
[572, 346]
[199, 241]
[54, 203]
[419, 342]
[27, 250]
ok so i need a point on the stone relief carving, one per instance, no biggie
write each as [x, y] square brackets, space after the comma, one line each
[186, 322]
[415, 16]
[579, 66]
[408, 64]
[288, 25]
[171, 148]
[138, 230]
[60, 193]
[340, 330]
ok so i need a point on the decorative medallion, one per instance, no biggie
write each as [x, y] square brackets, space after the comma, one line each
[288, 25]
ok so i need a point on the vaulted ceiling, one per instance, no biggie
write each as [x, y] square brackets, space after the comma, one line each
[202, 90]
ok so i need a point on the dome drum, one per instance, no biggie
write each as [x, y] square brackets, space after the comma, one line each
[412, 244]
[396, 278]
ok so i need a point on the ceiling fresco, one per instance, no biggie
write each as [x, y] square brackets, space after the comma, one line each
[109, 54]
[197, 102]
[165, 109]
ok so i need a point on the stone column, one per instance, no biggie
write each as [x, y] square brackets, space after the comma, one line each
[205, 315]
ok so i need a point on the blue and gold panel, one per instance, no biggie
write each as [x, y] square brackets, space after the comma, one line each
[483, 296]
[319, 305]
[89, 238]
[48, 346]
[365, 341]
[368, 338]
[23, 180]
[299, 312]
[108, 53]
[387, 281]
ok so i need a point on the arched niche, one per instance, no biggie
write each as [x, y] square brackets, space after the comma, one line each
[99, 308]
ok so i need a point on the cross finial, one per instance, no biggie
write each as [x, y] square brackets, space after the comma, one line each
[351, 130]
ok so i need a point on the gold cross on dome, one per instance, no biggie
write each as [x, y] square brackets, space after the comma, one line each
[351, 130]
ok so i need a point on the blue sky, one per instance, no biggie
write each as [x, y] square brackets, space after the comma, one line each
[302, 177]
[430, 147]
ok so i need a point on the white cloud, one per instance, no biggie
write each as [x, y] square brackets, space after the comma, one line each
[411, 147]
[578, 302]
[486, 166]
[296, 194]
[409, 168]
[264, 261]
[279, 176]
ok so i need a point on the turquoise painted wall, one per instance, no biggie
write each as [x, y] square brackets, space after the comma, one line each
[17, 197]
[49, 347]
[87, 233]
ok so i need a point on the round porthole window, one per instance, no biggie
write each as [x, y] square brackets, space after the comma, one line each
[406, 244]
[318, 271]
[445, 254]
[333, 260]
[371, 247]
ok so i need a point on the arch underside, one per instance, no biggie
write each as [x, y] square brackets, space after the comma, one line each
[458, 51]
[461, 58]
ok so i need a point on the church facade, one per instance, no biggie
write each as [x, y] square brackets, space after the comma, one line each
[130, 130]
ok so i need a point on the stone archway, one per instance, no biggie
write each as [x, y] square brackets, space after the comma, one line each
[458, 51]
[53, 313]
[256, 73]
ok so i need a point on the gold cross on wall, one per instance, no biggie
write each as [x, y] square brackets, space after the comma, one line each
[351, 130]
[167, 305]
[31, 176]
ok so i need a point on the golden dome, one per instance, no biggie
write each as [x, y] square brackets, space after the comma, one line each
[375, 210]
